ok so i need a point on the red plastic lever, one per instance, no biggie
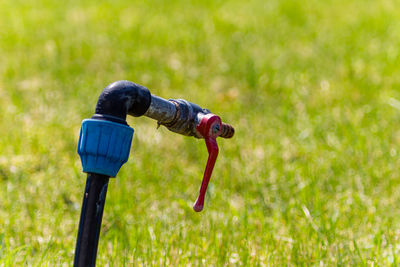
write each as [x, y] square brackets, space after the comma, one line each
[210, 128]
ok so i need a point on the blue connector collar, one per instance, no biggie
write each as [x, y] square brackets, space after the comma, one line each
[104, 146]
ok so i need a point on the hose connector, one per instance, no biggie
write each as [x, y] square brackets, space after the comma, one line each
[104, 146]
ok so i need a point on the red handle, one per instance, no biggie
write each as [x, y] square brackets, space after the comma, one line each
[210, 128]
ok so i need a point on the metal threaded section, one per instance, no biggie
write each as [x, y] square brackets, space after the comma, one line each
[227, 130]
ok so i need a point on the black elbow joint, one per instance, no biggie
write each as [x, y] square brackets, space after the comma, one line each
[121, 98]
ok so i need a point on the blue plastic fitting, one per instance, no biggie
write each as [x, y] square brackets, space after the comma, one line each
[104, 146]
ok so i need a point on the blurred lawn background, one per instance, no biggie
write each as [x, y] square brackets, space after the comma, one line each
[311, 176]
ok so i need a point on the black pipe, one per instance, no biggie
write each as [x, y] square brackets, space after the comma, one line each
[115, 102]
[121, 98]
[90, 221]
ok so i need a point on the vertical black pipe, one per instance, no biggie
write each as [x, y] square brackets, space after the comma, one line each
[90, 221]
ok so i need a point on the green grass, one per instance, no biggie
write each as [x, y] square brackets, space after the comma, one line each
[311, 176]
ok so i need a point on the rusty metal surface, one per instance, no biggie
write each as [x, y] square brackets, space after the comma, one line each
[227, 131]
[161, 110]
[181, 116]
